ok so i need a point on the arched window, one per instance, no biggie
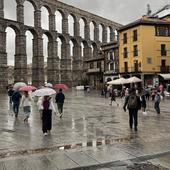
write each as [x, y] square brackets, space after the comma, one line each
[28, 14]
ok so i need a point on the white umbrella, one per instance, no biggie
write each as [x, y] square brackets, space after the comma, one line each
[134, 80]
[18, 85]
[44, 92]
[118, 81]
[48, 85]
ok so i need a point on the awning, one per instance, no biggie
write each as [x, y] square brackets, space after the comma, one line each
[165, 76]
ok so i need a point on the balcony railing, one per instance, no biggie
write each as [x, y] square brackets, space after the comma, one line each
[93, 70]
[164, 69]
[130, 69]
[163, 52]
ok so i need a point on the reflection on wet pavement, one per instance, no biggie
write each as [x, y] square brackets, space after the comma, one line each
[89, 128]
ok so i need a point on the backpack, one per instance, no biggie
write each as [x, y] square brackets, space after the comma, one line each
[46, 104]
[132, 102]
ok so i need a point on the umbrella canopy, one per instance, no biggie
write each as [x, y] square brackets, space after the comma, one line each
[18, 85]
[61, 86]
[44, 92]
[118, 81]
[134, 80]
[48, 85]
[27, 88]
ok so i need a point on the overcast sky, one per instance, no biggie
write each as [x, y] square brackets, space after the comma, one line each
[120, 11]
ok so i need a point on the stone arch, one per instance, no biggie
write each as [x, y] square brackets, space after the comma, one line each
[92, 30]
[108, 34]
[7, 7]
[10, 47]
[34, 3]
[29, 9]
[101, 32]
[82, 23]
[45, 12]
[71, 24]
[94, 50]
[59, 17]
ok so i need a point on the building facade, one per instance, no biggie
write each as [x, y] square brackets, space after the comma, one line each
[144, 49]
[111, 55]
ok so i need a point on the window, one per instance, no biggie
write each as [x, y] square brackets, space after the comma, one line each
[135, 50]
[111, 66]
[136, 66]
[163, 50]
[149, 60]
[98, 64]
[163, 31]
[126, 66]
[125, 52]
[91, 65]
[125, 38]
[135, 35]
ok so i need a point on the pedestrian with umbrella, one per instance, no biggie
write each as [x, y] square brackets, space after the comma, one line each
[47, 108]
[60, 97]
[26, 104]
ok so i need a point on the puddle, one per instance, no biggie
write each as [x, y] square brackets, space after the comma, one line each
[93, 143]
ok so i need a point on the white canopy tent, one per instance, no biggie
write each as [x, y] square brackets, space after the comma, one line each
[165, 76]
[133, 79]
[118, 81]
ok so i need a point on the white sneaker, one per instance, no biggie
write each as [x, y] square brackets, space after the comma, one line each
[45, 134]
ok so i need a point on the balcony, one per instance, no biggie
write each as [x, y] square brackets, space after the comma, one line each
[130, 69]
[164, 69]
[163, 52]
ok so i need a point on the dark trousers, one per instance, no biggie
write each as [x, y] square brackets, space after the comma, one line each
[133, 117]
[16, 108]
[60, 107]
[46, 120]
[157, 108]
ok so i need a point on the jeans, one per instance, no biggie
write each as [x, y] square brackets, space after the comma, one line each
[133, 118]
[60, 107]
[16, 108]
[157, 108]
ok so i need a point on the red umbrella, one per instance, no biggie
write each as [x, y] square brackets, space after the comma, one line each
[27, 88]
[61, 86]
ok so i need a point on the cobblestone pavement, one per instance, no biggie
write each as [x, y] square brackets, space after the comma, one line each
[91, 135]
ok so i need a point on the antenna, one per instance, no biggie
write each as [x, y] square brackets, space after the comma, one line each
[149, 10]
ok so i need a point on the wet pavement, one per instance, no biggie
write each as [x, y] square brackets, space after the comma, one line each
[91, 135]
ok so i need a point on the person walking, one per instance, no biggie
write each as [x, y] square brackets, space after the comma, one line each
[48, 107]
[143, 102]
[16, 97]
[133, 104]
[157, 102]
[59, 98]
[26, 104]
[10, 93]
[113, 98]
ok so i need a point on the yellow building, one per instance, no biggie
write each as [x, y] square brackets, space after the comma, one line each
[144, 48]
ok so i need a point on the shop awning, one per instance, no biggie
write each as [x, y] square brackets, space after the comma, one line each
[165, 76]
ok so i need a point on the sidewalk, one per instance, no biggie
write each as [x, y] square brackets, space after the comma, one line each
[91, 134]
